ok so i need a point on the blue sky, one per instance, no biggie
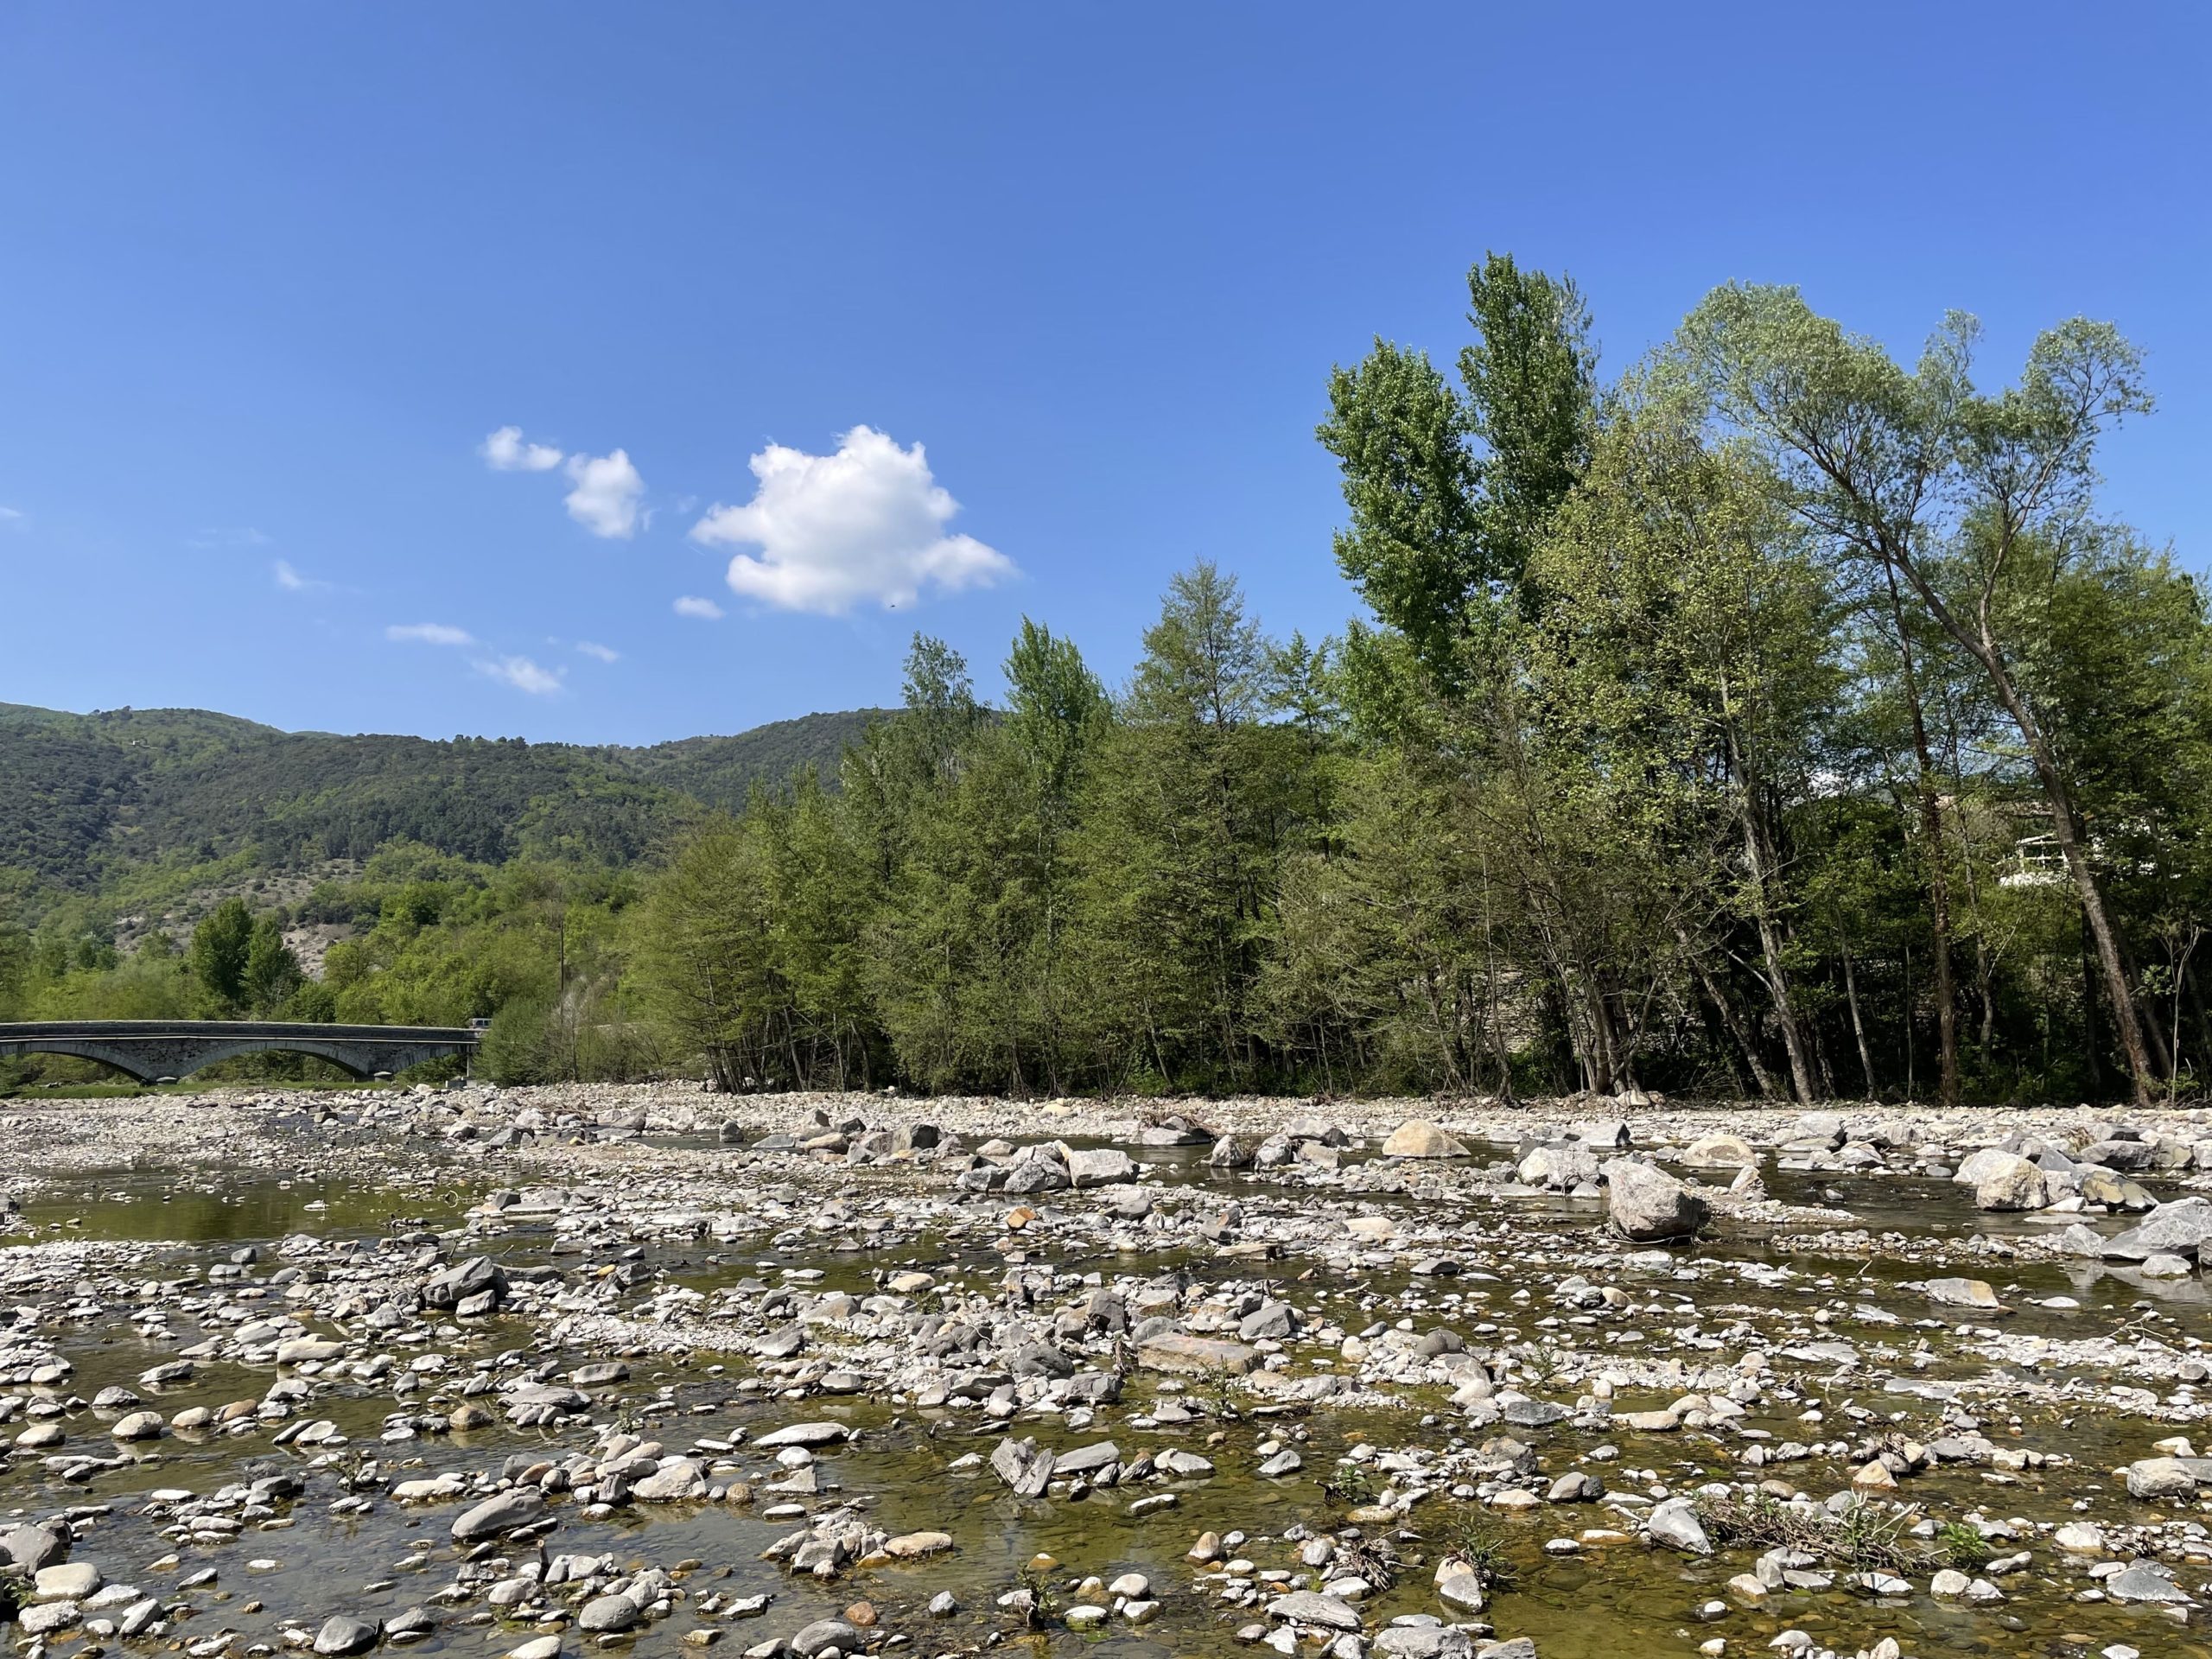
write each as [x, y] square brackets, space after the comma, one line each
[270, 277]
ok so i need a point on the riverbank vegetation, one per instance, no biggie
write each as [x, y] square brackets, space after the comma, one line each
[1773, 718]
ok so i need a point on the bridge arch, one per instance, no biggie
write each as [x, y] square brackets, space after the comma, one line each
[145, 1050]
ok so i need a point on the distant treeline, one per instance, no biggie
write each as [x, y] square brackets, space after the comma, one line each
[1772, 719]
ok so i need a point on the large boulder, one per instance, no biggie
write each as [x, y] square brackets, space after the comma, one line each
[2008, 1181]
[1676, 1524]
[1562, 1168]
[1176, 1351]
[2180, 1227]
[1649, 1206]
[467, 1283]
[1720, 1151]
[1419, 1138]
[503, 1512]
[1101, 1167]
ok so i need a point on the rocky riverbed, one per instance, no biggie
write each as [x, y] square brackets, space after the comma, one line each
[538, 1372]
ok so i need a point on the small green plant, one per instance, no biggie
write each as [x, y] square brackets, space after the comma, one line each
[11, 1598]
[1473, 1538]
[1960, 1544]
[1353, 1483]
[1042, 1602]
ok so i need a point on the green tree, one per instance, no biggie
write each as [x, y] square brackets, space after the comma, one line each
[221, 945]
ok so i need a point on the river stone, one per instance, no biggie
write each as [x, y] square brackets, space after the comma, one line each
[677, 1478]
[2177, 1228]
[1674, 1523]
[1175, 1350]
[1649, 1206]
[139, 1426]
[909, 1545]
[825, 1633]
[341, 1635]
[466, 1281]
[1424, 1641]
[1025, 1467]
[1462, 1589]
[2160, 1477]
[1085, 1616]
[1963, 1293]
[2008, 1182]
[1419, 1138]
[1564, 1166]
[2145, 1581]
[1720, 1151]
[31, 1548]
[47, 1617]
[809, 1434]
[503, 1512]
[1101, 1167]
[2166, 1266]
[68, 1581]
[1311, 1607]
[607, 1613]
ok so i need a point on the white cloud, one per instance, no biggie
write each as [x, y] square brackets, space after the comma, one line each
[705, 609]
[429, 633]
[522, 674]
[604, 500]
[229, 536]
[504, 451]
[292, 581]
[867, 523]
[603, 653]
[12, 516]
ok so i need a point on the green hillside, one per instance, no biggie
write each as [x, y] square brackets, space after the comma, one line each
[88, 797]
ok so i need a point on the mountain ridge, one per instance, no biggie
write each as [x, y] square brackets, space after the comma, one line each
[89, 795]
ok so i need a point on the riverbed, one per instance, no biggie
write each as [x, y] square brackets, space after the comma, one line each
[550, 1371]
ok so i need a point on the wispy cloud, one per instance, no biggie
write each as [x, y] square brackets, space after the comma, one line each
[293, 582]
[429, 633]
[704, 609]
[593, 648]
[12, 518]
[522, 674]
[229, 536]
[506, 451]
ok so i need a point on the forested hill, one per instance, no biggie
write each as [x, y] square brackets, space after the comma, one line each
[86, 795]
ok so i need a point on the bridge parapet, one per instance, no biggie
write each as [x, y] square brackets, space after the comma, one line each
[149, 1049]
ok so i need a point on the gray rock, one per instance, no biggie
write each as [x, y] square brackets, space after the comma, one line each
[341, 1635]
[31, 1548]
[2147, 1581]
[2153, 1478]
[806, 1434]
[1311, 1607]
[2008, 1182]
[1649, 1206]
[1101, 1167]
[502, 1512]
[1024, 1467]
[608, 1613]
[1674, 1523]
[822, 1634]
[464, 1281]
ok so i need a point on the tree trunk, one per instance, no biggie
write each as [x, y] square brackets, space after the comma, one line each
[1981, 642]
[1769, 931]
[1858, 1026]
[1729, 1017]
[1931, 833]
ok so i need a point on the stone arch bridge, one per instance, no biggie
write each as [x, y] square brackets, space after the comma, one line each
[152, 1050]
